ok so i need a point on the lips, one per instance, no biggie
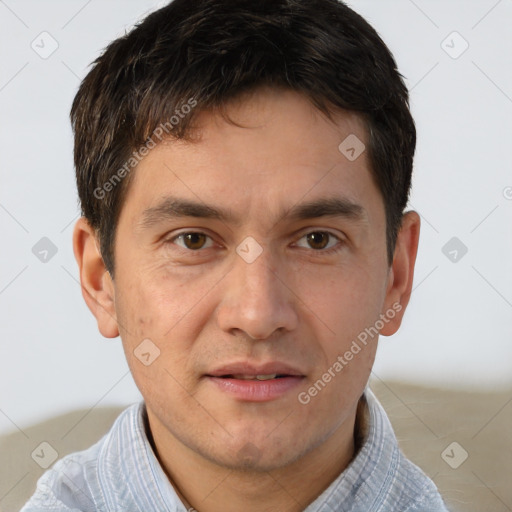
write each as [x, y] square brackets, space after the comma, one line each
[249, 371]
[248, 382]
[257, 377]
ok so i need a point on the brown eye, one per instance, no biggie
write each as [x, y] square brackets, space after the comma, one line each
[318, 239]
[192, 241]
[322, 242]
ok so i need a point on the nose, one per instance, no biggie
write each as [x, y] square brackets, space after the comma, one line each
[257, 299]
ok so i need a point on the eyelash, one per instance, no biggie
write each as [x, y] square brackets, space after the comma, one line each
[332, 250]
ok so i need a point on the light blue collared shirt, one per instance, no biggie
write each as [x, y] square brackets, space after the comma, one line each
[121, 473]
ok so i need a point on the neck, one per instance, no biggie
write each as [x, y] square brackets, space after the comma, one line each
[205, 486]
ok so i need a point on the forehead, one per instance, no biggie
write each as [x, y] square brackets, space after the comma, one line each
[279, 151]
[280, 120]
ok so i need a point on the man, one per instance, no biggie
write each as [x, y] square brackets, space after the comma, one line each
[243, 169]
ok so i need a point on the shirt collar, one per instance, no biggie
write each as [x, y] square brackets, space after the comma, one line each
[145, 483]
[129, 464]
[370, 473]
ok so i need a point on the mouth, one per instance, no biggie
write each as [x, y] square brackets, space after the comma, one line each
[251, 383]
[247, 370]
[254, 377]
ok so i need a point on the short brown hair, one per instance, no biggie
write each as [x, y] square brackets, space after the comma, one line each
[206, 52]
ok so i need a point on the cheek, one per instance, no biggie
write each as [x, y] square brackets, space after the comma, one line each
[169, 311]
[348, 302]
[157, 334]
[155, 305]
[345, 299]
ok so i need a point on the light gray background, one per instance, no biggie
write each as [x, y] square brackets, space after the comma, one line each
[457, 331]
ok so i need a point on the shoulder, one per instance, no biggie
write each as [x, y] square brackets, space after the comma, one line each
[74, 483]
[413, 489]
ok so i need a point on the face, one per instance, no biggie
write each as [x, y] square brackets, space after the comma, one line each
[254, 250]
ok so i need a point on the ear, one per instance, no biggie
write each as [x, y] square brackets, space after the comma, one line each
[97, 285]
[401, 273]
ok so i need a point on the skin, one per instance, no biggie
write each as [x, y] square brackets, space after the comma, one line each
[206, 307]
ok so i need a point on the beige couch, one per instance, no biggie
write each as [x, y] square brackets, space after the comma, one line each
[436, 429]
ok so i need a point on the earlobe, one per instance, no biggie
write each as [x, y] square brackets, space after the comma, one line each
[97, 285]
[401, 273]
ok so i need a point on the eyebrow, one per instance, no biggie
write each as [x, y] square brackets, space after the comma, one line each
[171, 208]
